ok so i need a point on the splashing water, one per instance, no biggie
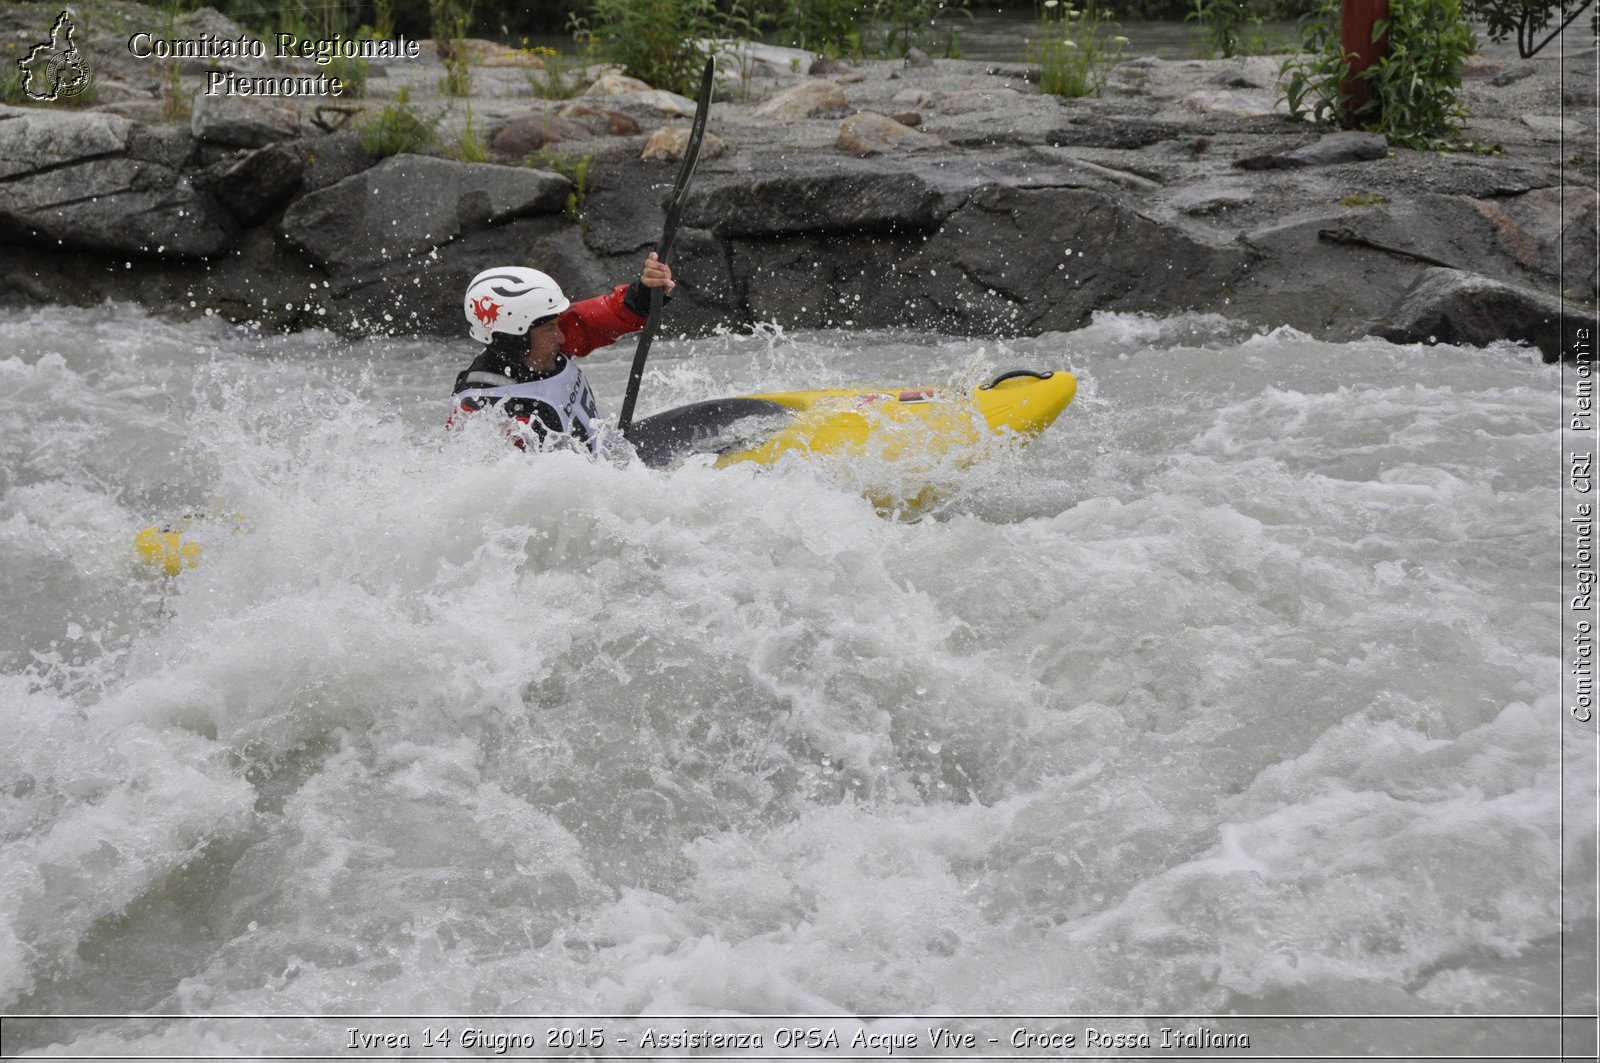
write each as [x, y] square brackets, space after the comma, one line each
[1233, 693]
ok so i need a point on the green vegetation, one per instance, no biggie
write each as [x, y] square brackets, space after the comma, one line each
[1234, 27]
[1534, 22]
[1363, 199]
[398, 128]
[1413, 93]
[832, 27]
[574, 168]
[661, 42]
[554, 78]
[176, 104]
[451, 21]
[1072, 49]
[469, 147]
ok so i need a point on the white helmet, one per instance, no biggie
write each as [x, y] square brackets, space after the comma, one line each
[510, 299]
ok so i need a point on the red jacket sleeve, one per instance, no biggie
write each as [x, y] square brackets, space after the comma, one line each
[593, 323]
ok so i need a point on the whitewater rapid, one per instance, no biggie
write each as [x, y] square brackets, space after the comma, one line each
[1235, 693]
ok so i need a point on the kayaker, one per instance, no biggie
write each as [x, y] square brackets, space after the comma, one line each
[532, 336]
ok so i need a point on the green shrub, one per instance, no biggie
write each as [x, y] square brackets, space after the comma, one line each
[1413, 92]
[398, 128]
[1232, 27]
[1072, 50]
[828, 27]
[660, 42]
[468, 147]
[553, 78]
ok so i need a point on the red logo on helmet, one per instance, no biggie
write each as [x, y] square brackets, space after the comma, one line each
[486, 310]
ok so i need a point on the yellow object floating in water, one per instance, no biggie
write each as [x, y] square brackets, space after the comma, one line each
[908, 431]
[912, 421]
[165, 550]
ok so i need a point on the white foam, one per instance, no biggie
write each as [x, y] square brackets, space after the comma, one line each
[1153, 713]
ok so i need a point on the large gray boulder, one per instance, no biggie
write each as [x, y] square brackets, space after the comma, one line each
[33, 140]
[244, 121]
[842, 201]
[67, 178]
[861, 250]
[254, 184]
[411, 204]
[1454, 306]
[1018, 259]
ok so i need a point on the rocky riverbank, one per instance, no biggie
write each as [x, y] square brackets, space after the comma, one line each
[934, 194]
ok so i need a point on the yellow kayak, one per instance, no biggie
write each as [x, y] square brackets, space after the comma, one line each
[892, 423]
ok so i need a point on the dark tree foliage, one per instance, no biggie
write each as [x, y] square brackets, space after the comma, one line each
[799, 20]
[1531, 21]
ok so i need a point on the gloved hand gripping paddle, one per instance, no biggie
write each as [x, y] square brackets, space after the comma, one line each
[669, 232]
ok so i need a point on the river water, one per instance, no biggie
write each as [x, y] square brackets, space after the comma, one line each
[1234, 694]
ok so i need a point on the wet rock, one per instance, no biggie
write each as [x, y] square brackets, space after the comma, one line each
[1024, 259]
[1550, 127]
[977, 101]
[631, 92]
[1454, 306]
[1210, 198]
[1551, 232]
[824, 66]
[670, 142]
[117, 206]
[916, 57]
[32, 140]
[69, 178]
[801, 101]
[19, 289]
[1578, 88]
[243, 121]
[169, 146]
[332, 158]
[844, 201]
[1234, 79]
[1124, 134]
[526, 135]
[1512, 76]
[409, 204]
[601, 121]
[1331, 149]
[615, 85]
[253, 186]
[869, 133]
[1229, 102]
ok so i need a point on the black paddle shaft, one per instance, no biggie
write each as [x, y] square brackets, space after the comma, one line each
[669, 233]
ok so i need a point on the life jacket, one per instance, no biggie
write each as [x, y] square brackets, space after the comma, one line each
[561, 403]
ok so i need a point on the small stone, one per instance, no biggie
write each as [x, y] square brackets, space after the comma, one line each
[524, 136]
[670, 142]
[825, 65]
[1329, 150]
[601, 121]
[869, 133]
[801, 101]
[615, 85]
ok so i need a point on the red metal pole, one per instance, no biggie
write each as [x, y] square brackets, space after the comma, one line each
[1358, 19]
